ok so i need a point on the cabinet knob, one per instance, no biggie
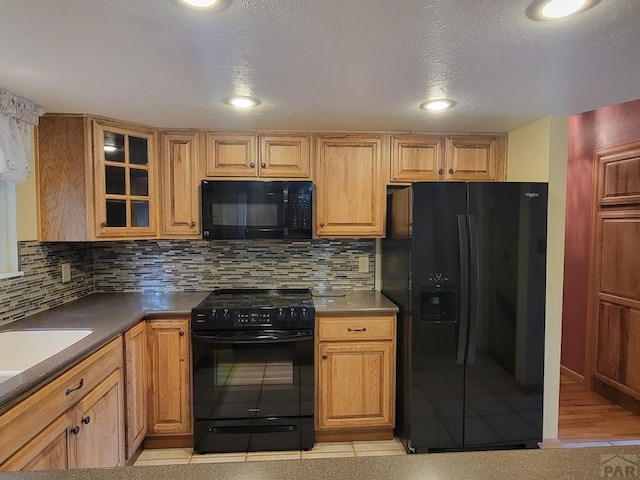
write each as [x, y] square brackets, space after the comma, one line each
[103, 224]
[252, 165]
[263, 165]
[324, 357]
[322, 224]
[181, 334]
[193, 224]
[75, 430]
[451, 171]
[440, 172]
[86, 420]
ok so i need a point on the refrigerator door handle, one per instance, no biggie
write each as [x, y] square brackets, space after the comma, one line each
[474, 288]
[463, 310]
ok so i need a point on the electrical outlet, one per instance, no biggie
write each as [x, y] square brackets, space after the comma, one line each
[66, 272]
[363, 264]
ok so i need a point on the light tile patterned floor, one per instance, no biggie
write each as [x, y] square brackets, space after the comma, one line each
[321, 450]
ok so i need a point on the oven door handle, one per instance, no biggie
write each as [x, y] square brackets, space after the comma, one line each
[253, 337]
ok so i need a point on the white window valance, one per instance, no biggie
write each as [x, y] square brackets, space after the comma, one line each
[18, 116]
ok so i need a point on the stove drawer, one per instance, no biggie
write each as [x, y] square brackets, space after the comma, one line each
[350, 328]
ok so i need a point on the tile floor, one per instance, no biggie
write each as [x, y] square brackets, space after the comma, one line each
[322, 450]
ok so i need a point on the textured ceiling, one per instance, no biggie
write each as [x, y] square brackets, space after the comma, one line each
[319, 65]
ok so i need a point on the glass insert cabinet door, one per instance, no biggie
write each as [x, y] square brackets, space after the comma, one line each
[125, 163]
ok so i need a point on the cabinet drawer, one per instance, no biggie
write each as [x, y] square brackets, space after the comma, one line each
[352, 328]
[28, 418]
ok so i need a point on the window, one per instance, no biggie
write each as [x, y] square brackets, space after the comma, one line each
[8, 233]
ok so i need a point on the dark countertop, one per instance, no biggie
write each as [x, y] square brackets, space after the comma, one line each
[107, 314]
[352, 302]
[547, 464]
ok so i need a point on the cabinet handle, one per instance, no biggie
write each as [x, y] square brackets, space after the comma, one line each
[252, 165]
[75, 430]
[263, 165]
[181, 334]
[451, 171]
[71, 390]
[86, 420]
[363, 329]
[193, 224]
[324, 357]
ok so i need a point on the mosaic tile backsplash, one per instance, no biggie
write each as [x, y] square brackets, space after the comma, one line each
[137, 266]
[205, 265]
[41, 287]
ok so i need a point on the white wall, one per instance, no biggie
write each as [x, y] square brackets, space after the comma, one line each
[538, 152]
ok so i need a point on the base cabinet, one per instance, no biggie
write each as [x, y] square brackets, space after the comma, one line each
[136, 386]
[169, 394]
[355, 377]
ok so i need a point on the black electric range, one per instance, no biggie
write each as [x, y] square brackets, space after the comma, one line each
[253, 370]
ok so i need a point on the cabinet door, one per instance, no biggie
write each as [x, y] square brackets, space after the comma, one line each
[135, 355]
[285, 156]
[619, 175]
[180, 183]
[47, 451]
[416, 158]
[350, 186]
[231, 155]
[125, 171]
[169, 375]
[475, 157]
[98, 439]
[355, 385]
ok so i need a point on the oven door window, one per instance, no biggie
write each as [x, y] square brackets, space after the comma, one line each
[252, 380]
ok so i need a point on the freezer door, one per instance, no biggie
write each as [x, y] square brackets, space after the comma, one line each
[439, 296]
[504, 363]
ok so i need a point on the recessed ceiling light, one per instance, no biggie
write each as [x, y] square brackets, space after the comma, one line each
[437, 105]
[210, 4]
[561, 8]
[242, 101]
[554, 9]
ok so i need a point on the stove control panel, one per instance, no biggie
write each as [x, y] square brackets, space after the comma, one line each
[241, 318]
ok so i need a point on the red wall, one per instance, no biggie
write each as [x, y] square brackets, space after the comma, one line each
[605, 127]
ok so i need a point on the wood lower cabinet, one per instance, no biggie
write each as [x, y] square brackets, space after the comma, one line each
[355, 377]
[77, 420]
[136, 386]
[350, 193]
[169, 394]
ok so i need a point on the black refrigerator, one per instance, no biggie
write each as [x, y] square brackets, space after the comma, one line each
[466, 264]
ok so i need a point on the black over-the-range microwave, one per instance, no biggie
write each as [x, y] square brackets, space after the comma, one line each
[255, 209]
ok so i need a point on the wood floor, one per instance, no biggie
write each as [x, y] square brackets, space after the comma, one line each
[585, 416]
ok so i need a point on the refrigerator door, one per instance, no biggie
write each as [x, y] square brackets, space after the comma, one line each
[439, 293]
[505, 355]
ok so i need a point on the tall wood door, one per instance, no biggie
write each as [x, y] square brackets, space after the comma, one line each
[98, 439]
[355, 384]
[136, 385]
[614, 324]
[49, 450]
[170, 377]
[416, 158]
[285, 156]
[350, 191]
[179, 166]
[475, 158]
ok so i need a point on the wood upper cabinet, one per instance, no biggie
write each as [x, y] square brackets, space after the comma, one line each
[246, 155]
[350, 193]
[475, 158]
[355, 376]
[96, 179]
[180, 180]
[619, 176]
[416, 158]
[136, 386]
[169, 393]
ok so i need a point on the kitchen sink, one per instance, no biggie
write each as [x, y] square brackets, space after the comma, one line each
[22, 349]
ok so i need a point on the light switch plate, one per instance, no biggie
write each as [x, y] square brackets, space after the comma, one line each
[363, 264]
[66, 272]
